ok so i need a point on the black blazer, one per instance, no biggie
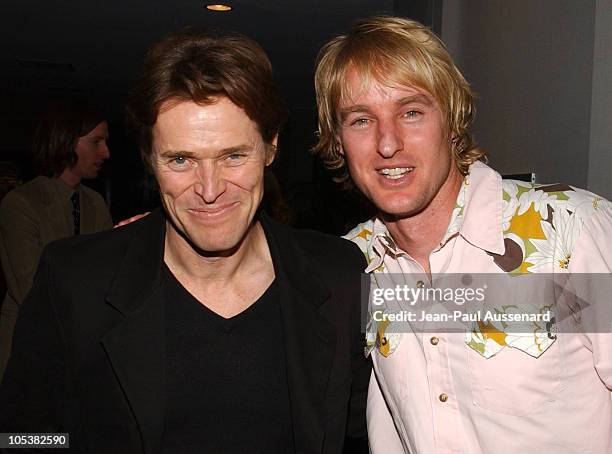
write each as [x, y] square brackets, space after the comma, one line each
[88, 352]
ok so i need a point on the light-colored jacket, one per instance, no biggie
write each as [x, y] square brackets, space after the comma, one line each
[31, 216]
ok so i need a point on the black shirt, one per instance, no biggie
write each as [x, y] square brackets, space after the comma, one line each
[226, 382]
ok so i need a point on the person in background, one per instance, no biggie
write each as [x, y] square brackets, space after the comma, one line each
[394, 119]
[70, 144]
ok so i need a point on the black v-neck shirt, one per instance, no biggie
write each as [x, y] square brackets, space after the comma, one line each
[226, 381]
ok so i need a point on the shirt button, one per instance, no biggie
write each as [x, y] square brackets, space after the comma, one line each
[434, 340]
[443, 397]
[420, 284]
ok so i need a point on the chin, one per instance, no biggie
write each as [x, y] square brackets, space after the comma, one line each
[399, 211]
[214, 241]
[224, 246]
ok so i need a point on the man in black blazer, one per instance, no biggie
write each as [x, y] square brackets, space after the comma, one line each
[205, 327]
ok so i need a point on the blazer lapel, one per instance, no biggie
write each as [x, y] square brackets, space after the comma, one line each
[309, 336]
[136, 346]
[53, 210]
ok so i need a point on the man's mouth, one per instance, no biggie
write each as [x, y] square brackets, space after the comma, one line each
[212, 211]
[395, 173]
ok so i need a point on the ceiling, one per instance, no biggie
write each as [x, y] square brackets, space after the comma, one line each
[95, 47]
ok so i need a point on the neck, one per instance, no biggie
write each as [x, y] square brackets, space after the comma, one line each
[419, 234]
[185, 260]
[226, 283]
[70, 178]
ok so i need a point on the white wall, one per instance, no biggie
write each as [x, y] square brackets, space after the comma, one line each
[531, 64]
[599, 177]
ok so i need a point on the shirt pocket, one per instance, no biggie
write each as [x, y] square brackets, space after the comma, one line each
[513, 382]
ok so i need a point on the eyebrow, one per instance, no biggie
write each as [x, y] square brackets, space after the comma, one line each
[191, 154]
[175, 153]
[346, 111]
[237, 149]
[419, 99]
[360, 108]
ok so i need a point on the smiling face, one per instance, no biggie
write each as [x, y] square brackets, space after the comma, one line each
[91, 151]
[209, 163]
[396, 146]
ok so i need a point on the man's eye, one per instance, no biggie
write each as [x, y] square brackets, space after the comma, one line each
[235, 159]
[178, 163]
[361, 122]
[412, 114]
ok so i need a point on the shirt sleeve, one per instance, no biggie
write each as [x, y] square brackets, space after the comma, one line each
[591, 273]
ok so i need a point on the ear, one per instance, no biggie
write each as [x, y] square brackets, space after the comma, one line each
[271, 150]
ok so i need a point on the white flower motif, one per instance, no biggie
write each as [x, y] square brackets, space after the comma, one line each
[540, 200]
[506, 184]
[584, 203]
[508, 212]
[555, 252]
[461, 196]
[510, 187]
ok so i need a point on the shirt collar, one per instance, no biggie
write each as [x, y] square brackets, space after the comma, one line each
[380, 244]
[483, 208]
[477, 217]
[63, 189]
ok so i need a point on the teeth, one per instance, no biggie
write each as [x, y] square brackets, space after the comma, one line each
[396, 172]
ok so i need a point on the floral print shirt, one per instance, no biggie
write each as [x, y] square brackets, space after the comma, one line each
[466, 392]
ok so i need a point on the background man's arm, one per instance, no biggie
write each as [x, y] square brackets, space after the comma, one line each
[20, 244]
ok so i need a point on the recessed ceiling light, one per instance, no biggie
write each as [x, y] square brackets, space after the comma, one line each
[219, 7]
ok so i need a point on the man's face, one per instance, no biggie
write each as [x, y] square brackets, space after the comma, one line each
[209, 163]
[91, 151]
[395, 143]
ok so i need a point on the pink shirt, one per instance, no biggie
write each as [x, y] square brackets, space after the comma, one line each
[466, 393]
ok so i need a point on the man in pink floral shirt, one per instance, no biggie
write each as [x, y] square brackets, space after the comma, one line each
[394, 114]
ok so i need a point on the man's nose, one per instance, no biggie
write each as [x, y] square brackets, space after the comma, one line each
[210, 183]
[389, 138]
[103, 151]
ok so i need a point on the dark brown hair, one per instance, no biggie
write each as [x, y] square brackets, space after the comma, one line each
[199, 65]
[57, 134]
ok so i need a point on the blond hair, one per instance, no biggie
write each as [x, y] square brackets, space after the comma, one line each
[394, 52]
